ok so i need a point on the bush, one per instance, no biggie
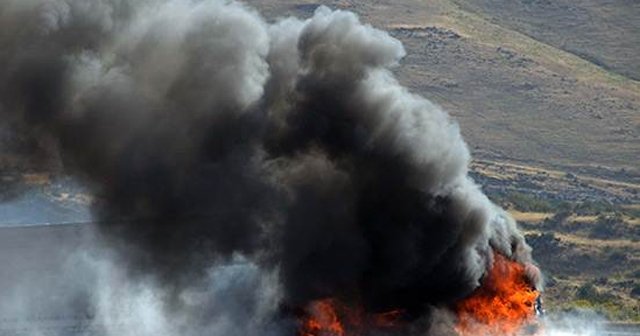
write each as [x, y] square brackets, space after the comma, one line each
[588, 292]
[590, 208]
[609, 226]
[635, 291]
[528, 203]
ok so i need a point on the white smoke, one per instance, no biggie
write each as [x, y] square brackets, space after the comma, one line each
[577, 323]
[236, 298]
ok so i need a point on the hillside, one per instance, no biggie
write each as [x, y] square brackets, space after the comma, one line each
[585, 233]
[606, 33]
[517, 98]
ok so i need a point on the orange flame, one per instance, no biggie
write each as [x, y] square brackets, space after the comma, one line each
[322, 320]
[329, 317]
[503, 305]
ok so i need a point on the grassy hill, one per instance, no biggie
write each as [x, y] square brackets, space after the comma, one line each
[605, 33]
[518, 98]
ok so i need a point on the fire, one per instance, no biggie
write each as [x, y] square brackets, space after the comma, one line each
[503, 305]
[322, 320]
[329, 317]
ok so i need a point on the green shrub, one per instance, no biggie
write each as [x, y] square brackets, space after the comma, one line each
[529, 203]
[588, 292]
[610, 226]
[590, 208]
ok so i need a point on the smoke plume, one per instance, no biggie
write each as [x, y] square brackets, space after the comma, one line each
[208, 134]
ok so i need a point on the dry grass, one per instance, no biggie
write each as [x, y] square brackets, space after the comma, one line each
[583, 219]
[631, 220]
[591, 243]
[476, 27]
[554, 109]
[529, 217]
[507, 170]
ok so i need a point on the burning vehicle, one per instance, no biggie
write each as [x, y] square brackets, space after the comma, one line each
[505, 304]
[209, 134]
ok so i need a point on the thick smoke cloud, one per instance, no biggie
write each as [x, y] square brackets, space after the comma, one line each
[207, 133]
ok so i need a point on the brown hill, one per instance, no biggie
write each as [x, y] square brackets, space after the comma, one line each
[525, 85]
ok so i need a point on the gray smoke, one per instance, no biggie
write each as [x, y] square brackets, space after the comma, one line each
[208, 135]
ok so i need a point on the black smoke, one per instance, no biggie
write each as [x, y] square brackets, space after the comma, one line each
[207, 133]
